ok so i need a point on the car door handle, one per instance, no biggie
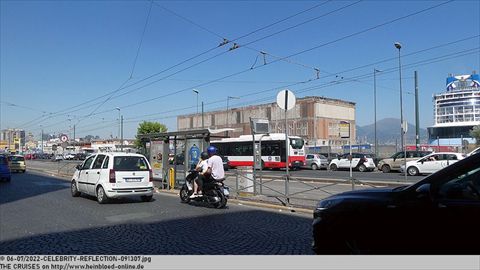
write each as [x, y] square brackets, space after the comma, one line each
[86, 172]
[98, 172]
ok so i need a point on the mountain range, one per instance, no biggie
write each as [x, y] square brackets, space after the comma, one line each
[388, 131]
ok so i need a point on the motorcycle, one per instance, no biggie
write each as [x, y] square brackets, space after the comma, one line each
[214, 193]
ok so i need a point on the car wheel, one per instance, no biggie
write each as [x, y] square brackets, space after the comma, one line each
[386, 169]
[333, 167]
[74, 189]
[101, 196]
[147, 198]
[412, 171]
[362, 168]
[314, 166]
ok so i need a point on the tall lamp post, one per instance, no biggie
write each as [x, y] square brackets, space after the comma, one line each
[196, 92]
[399, 46]
[375, 108]
[228, 115]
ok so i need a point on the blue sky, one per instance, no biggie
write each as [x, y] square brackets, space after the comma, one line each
[74, 62]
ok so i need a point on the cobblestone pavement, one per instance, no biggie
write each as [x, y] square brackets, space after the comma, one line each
[39, 216]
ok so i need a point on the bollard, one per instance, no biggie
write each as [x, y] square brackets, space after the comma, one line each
[171, 179]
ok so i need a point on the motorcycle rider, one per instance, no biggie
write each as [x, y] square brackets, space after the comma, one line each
[215, 170]
[201, 167]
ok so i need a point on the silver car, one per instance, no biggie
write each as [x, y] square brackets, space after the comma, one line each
[316, 161]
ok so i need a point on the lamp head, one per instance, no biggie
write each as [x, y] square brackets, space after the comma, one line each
[398, 45]
[195, 91]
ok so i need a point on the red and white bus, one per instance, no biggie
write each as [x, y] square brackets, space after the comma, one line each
[239, 150]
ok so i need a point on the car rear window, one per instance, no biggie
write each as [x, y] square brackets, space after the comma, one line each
[15, 158]
[128, 163]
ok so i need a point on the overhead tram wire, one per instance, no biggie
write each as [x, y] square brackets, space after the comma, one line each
[295, 54]
[352, 79]
[403, 17]
[186, 60]
[436, 59]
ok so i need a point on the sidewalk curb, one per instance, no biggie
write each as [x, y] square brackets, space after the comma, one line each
[249, 203]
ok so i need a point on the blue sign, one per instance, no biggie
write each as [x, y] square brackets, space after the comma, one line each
[194, 154]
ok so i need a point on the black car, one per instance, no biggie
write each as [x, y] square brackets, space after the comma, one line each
[437, 215]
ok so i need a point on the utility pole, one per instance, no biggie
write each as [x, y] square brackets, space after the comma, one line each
[42, 140]
[121, 134]
[417, 120]
[203, 123]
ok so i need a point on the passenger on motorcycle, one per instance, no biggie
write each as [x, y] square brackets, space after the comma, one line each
[201, 167]
[215, 170]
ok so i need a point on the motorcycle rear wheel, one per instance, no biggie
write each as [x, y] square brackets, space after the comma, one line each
[184, 195]
[223, 200]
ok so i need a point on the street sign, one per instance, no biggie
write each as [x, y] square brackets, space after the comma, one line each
[344, 129]
[260, 126]
[64, 138]
[286, 100]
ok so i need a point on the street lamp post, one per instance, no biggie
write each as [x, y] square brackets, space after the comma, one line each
[196, 92]
[399, 46]
[42, 137]
[402, 126]
[375, 108]
[228, 115]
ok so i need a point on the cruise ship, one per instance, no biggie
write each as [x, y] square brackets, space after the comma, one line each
[456, 111]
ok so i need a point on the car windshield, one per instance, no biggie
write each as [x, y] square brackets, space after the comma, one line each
[130, 163]
[322, 157]
[296, 143]
[17, 158]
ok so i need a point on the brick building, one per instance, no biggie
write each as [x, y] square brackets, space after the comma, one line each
[316, 119]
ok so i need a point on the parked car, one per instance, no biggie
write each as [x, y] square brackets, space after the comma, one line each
[113, 175]
[69, 156]
[316, 161]
[437, 215]
[57, 157]
[80, 156]
[476, 150]
[5, 174]
[394, 162]
[432, 163]
[360, 161]
[17, 163]
[329, 156]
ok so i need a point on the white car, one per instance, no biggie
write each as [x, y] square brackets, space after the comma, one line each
[360, 161]
[476, 150]
[69, 156]
[113, 175]
[432, 163]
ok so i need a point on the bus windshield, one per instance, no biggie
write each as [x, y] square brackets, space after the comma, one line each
[296, 143]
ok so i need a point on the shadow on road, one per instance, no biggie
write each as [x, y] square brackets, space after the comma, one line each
[27, 185]
[223, 233]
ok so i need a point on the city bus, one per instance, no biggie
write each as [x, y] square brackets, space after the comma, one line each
[239, 150]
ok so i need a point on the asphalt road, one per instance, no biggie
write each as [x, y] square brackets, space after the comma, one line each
[39, 216]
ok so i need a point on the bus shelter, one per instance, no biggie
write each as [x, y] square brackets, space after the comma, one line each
[173, 154]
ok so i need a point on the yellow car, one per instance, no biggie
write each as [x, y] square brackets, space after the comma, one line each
[17, 163]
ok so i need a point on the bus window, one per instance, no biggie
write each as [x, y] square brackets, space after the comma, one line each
[296, 143]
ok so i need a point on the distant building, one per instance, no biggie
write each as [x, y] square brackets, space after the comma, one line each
[316, 119]
[12, 140]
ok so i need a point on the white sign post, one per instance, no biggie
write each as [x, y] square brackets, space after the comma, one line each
[345, 133]
[286, 101]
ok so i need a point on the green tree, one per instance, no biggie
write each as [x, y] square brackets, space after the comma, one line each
[147, 128]
[475, 133]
